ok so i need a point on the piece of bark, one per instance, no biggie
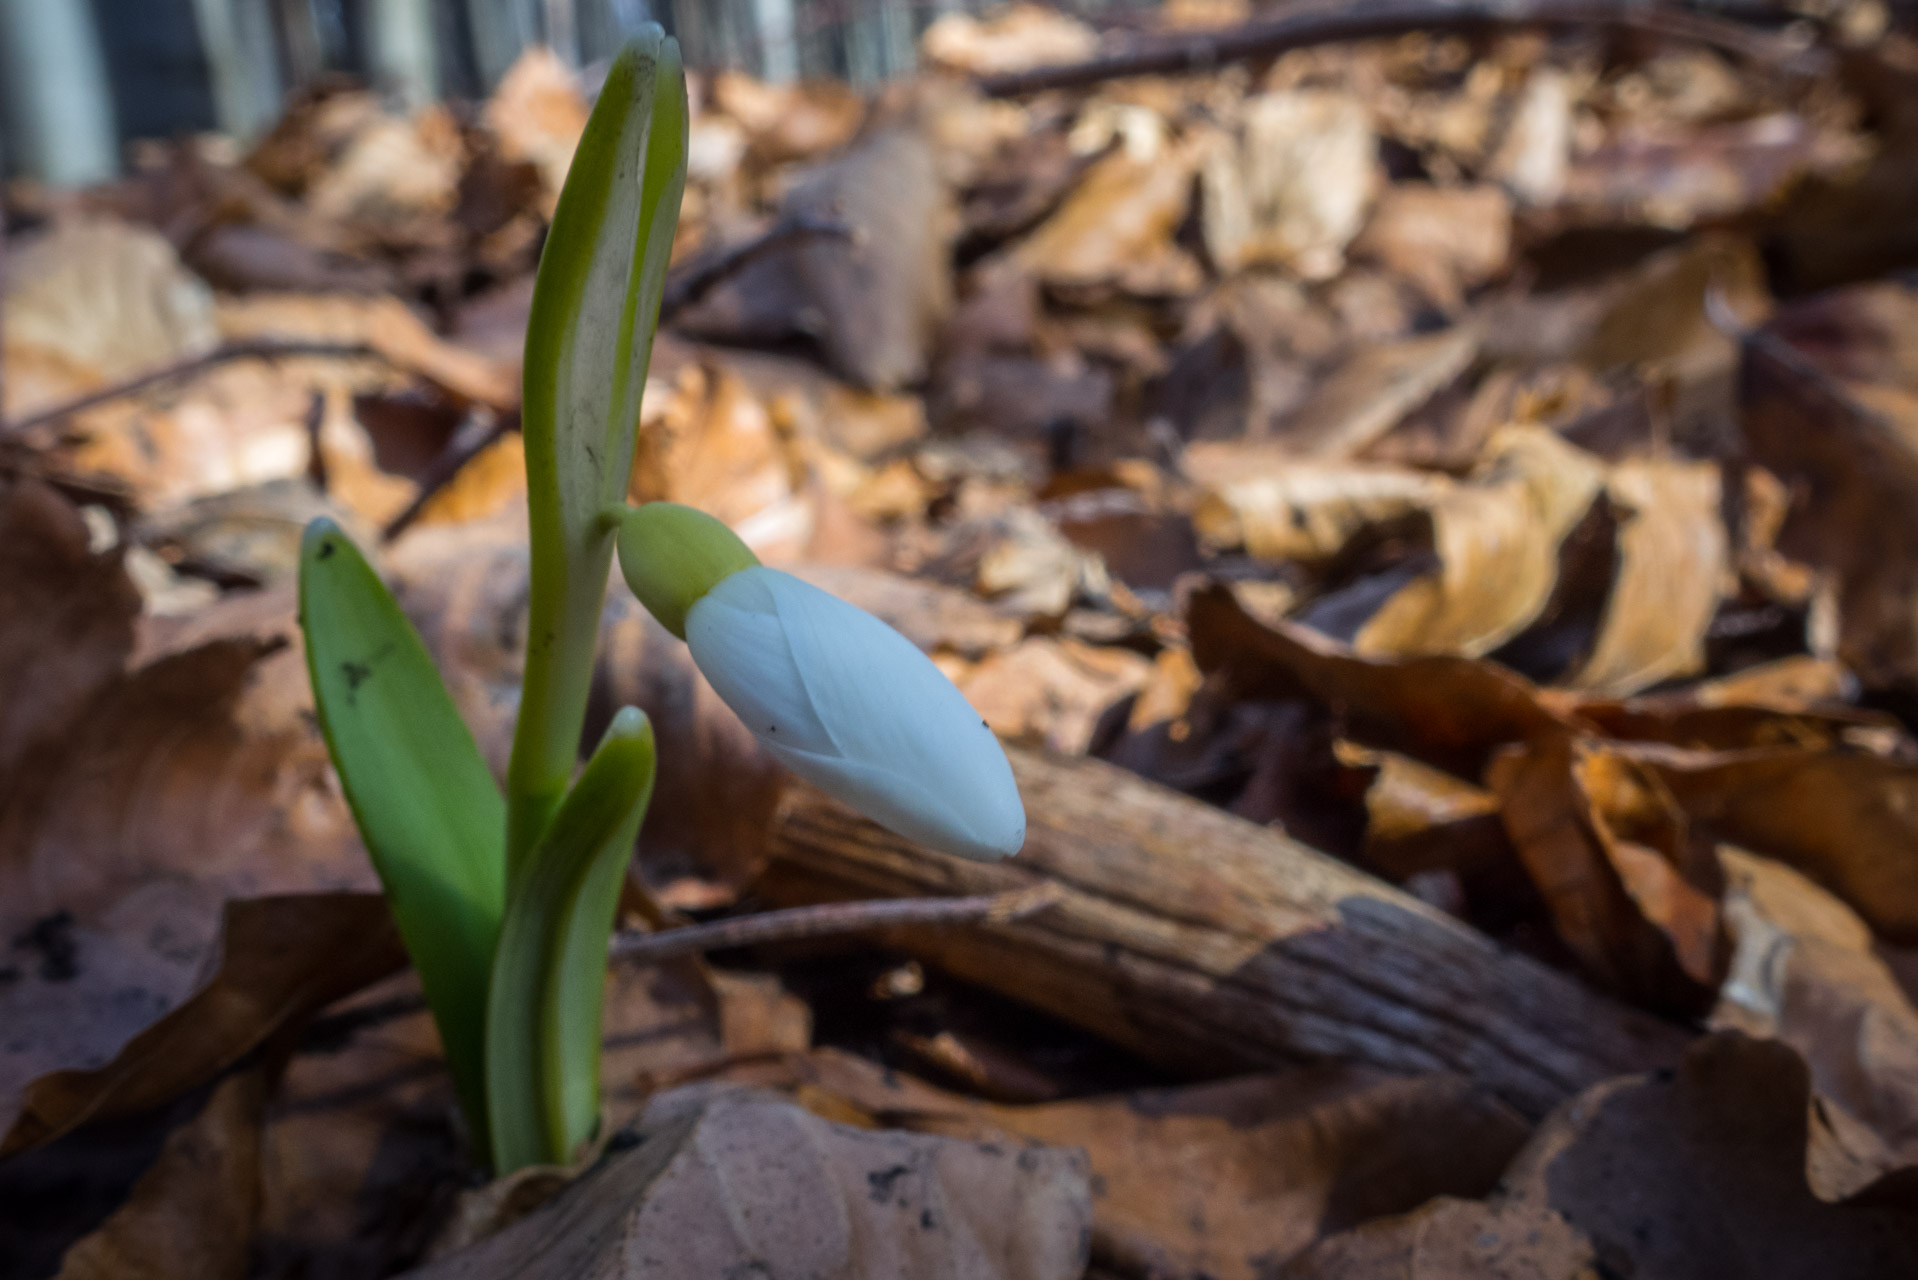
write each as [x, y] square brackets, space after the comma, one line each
[1209, 944]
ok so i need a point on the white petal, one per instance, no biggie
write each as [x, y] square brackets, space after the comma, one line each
[739, 642]
[891, 711]
[853, 707]
[898, 804]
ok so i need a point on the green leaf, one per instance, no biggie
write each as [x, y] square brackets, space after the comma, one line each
[426, 805]
[588, 341]
[549, 975]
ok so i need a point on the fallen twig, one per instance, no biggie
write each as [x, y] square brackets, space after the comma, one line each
[1267, 38]
[697, 278]
[832, 918]
[472, 438]
[253, 349]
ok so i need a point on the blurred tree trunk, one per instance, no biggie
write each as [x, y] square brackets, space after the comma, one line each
[238, 41]
[58, 104]
[402, 48]
[501, 28]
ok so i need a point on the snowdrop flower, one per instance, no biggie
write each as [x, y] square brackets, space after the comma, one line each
[839, 697]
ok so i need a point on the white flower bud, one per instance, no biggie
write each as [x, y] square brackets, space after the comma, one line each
[850, 705]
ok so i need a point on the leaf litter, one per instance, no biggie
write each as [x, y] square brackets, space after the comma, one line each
[1476, 458]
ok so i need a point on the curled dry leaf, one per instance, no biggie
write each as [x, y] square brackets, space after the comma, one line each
[711, 443]
[1374, 390]
[1232, 1178]
[1052, 691]
[1804, 971]
[745, 1185]
[94, 301]
[1673, 560]
[1445, 710]
[193, 1212]
[1419, 819]
[1844, 818]
[281, 960]
[1832, 420]
[82, 608]
[1630, 890]
[1294, 188]
[1704, 1173]
[383, 324]
[1795, 702]
[132, 805]
[789, 121]
[1279, 508]
[1450, 1239]
[1446, 240]
[1698, 1172]
[1117, 224]
[1497, 539]
[1714, 172]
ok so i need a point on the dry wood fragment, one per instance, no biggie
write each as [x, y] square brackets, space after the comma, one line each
[1312, 25]
[1210, 944]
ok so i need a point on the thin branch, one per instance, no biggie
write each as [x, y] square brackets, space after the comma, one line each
[256, 349]
[833, 918]
[698, 278]
[472, 438]
[1206, 50]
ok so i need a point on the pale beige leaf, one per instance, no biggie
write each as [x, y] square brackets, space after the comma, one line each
[1278, 508]
[1497, 539]
[1672, 561]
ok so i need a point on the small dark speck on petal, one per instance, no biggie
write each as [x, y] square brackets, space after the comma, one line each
[327, 548]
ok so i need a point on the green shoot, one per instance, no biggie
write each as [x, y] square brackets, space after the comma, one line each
[425, 803]
[543, 1025]
[588, 342]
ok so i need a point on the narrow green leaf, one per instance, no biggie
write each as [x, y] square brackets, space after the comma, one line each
[426, 805]
[549, 975]
[588, 342]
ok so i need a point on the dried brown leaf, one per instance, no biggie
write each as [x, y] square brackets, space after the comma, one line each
[1446, 710]
[537, 113]
[1293, 188]
[1826, 400]
[756, 1186]
[1257, 496]
[1704, 1173]
[1117, 225]
[1630, 891]
[1804, 971]
[1701, 1172]
[1455, 1240]
[193, 1212]
[1497, 538]
[93, 301]
[66, 621]
[1229, 1179]
[1673, 559]
[1446, 240]
[1374, 390]
[1844, 818]
[1052, 691]
[281, 960]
